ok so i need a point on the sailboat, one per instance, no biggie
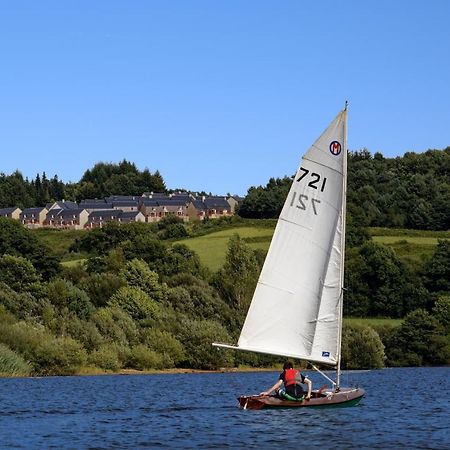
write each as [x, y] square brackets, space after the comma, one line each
[296, 309]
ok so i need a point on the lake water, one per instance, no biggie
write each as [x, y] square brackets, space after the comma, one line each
[403, 408]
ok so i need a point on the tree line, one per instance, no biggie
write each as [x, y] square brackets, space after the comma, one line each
[141, 301]
[103, 180]
[412, 191]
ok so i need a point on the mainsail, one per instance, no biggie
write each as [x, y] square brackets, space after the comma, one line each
[296, 310]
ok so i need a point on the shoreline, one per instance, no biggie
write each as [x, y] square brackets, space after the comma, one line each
[88, 372]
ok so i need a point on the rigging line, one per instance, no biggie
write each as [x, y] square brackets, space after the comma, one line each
[323, 374]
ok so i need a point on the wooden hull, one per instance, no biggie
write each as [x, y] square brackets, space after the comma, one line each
[344, 398]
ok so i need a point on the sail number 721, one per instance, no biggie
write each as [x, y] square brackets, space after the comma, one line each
[314, 179]
[302, 202]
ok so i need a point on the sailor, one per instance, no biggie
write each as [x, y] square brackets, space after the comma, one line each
[292, 380]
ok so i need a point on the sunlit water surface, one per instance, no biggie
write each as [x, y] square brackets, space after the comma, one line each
[403, 408]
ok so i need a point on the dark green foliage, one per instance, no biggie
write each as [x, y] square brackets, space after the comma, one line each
[437, 270]
[174, 231]
[64, 294]
[101, 286]
[236, 281]
[355, 236]
[102, 240]
[16, 240]
[410, 191]
[266, 202]
[18, 273]
[164, 259]
[112, 262]
[380, 284]
[361, 348]
[22, 305]
[15, 191]
[404, 192]
[171, 227]
[441, 312]
[420, 340]
[113, 179]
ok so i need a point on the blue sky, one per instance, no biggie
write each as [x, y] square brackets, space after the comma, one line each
[217, 95]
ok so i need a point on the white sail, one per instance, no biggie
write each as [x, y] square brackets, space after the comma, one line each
[296, 307]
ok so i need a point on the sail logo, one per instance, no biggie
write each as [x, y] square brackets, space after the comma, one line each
[325, 354]
[335, 148]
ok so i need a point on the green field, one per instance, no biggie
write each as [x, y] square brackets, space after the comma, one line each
[212, 248]
[60, 241]
[74, 262]
[373, 322]
[413, 247]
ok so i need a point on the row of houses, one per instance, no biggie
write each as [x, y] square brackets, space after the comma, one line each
[150, 207]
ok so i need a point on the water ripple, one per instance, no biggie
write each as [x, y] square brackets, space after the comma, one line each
[116, 412]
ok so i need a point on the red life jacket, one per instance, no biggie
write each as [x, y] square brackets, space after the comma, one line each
[291, 376]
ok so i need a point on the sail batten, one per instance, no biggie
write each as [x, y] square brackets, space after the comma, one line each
[297, 301]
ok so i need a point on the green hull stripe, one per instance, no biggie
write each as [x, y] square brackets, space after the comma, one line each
[346, 404]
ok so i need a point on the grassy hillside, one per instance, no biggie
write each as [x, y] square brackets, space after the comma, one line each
[60, 241]
[375, 323]
[212, 247]
[412, 246]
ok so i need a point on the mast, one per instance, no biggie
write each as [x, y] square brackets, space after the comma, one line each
[343, 215]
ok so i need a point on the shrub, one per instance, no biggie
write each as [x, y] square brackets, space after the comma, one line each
[85, 332]
[135, 302]
[64, 294]
[24, 338]
[173, 231]
[197, 336]
[13, 364]
[142, 358]
[115, 325]
[60, 356]
[236, 280]
[138, 274]
[23, 305]
[106, 357]
[101, 287]
[165, 344]
[437, 269]
[17, 272]
[361, 348]
[419, 340]
[441, 312]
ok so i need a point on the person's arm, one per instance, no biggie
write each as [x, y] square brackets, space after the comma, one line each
[275, 386]
[309, 383]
